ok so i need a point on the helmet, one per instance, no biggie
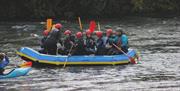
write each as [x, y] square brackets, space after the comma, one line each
[67, 32]
[58, 26]
[109, 32]
[88, 32]
[45, 32]
[79, 34]
[99, 34]
[1, 56]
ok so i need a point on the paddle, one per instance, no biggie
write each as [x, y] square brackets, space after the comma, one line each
[92, 26]
[23, 65]
[68, 56]
[80, 24]
[26, 64]
[99, 27]
[132, 60]
[49, 24]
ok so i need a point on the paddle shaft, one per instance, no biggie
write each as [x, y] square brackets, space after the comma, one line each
[131, 59]
[67, 57]
[80, 24]
[99, 27]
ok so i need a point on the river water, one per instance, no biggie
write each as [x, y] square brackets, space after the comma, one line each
[157, 40]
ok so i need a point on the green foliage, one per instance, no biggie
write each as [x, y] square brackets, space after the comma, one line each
[138, 5]
[70, 9]
[154, 6]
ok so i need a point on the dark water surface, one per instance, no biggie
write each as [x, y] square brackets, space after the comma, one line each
[158, 41]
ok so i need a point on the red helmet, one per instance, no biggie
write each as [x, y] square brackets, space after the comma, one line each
[45, 32]
[109, 32]
[58, 26]
[99, 34]
[88, 32]
[79, 34]
[67, 32]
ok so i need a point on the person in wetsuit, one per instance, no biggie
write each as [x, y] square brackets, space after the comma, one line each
[4, 61]
[68, 42]
[122, 40]
[52, 39]
[100, 43]
[42, 43]
[79, 48]
[90, 43]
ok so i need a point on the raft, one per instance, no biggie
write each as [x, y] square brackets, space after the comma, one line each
[16, 72]
[29, 54]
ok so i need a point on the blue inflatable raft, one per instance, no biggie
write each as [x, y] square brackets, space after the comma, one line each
[29, 54]
[16, 73]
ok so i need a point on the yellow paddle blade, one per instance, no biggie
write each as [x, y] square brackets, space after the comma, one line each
[49, 24]
[53, 26]
[80, 24]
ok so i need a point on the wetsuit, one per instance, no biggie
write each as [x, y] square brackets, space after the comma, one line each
[68, 43]
[79, 48]
[109, 48]
[100, 47]
[113, 50]
[90, 46]
[42, 44]
[124, 43]
[51, 41]
[108, 42]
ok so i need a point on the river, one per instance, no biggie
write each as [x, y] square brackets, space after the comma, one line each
[157, 40]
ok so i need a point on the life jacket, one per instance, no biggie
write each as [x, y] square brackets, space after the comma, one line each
[80, 43]
[90, 43]
[115, 39]
[124, 40]
[110, 40]
[67, 42]
[105, 40]
[100, 43]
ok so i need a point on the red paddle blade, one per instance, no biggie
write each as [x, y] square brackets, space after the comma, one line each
[92, 26]
[29, 64]
[132, 60]
[26, 64]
